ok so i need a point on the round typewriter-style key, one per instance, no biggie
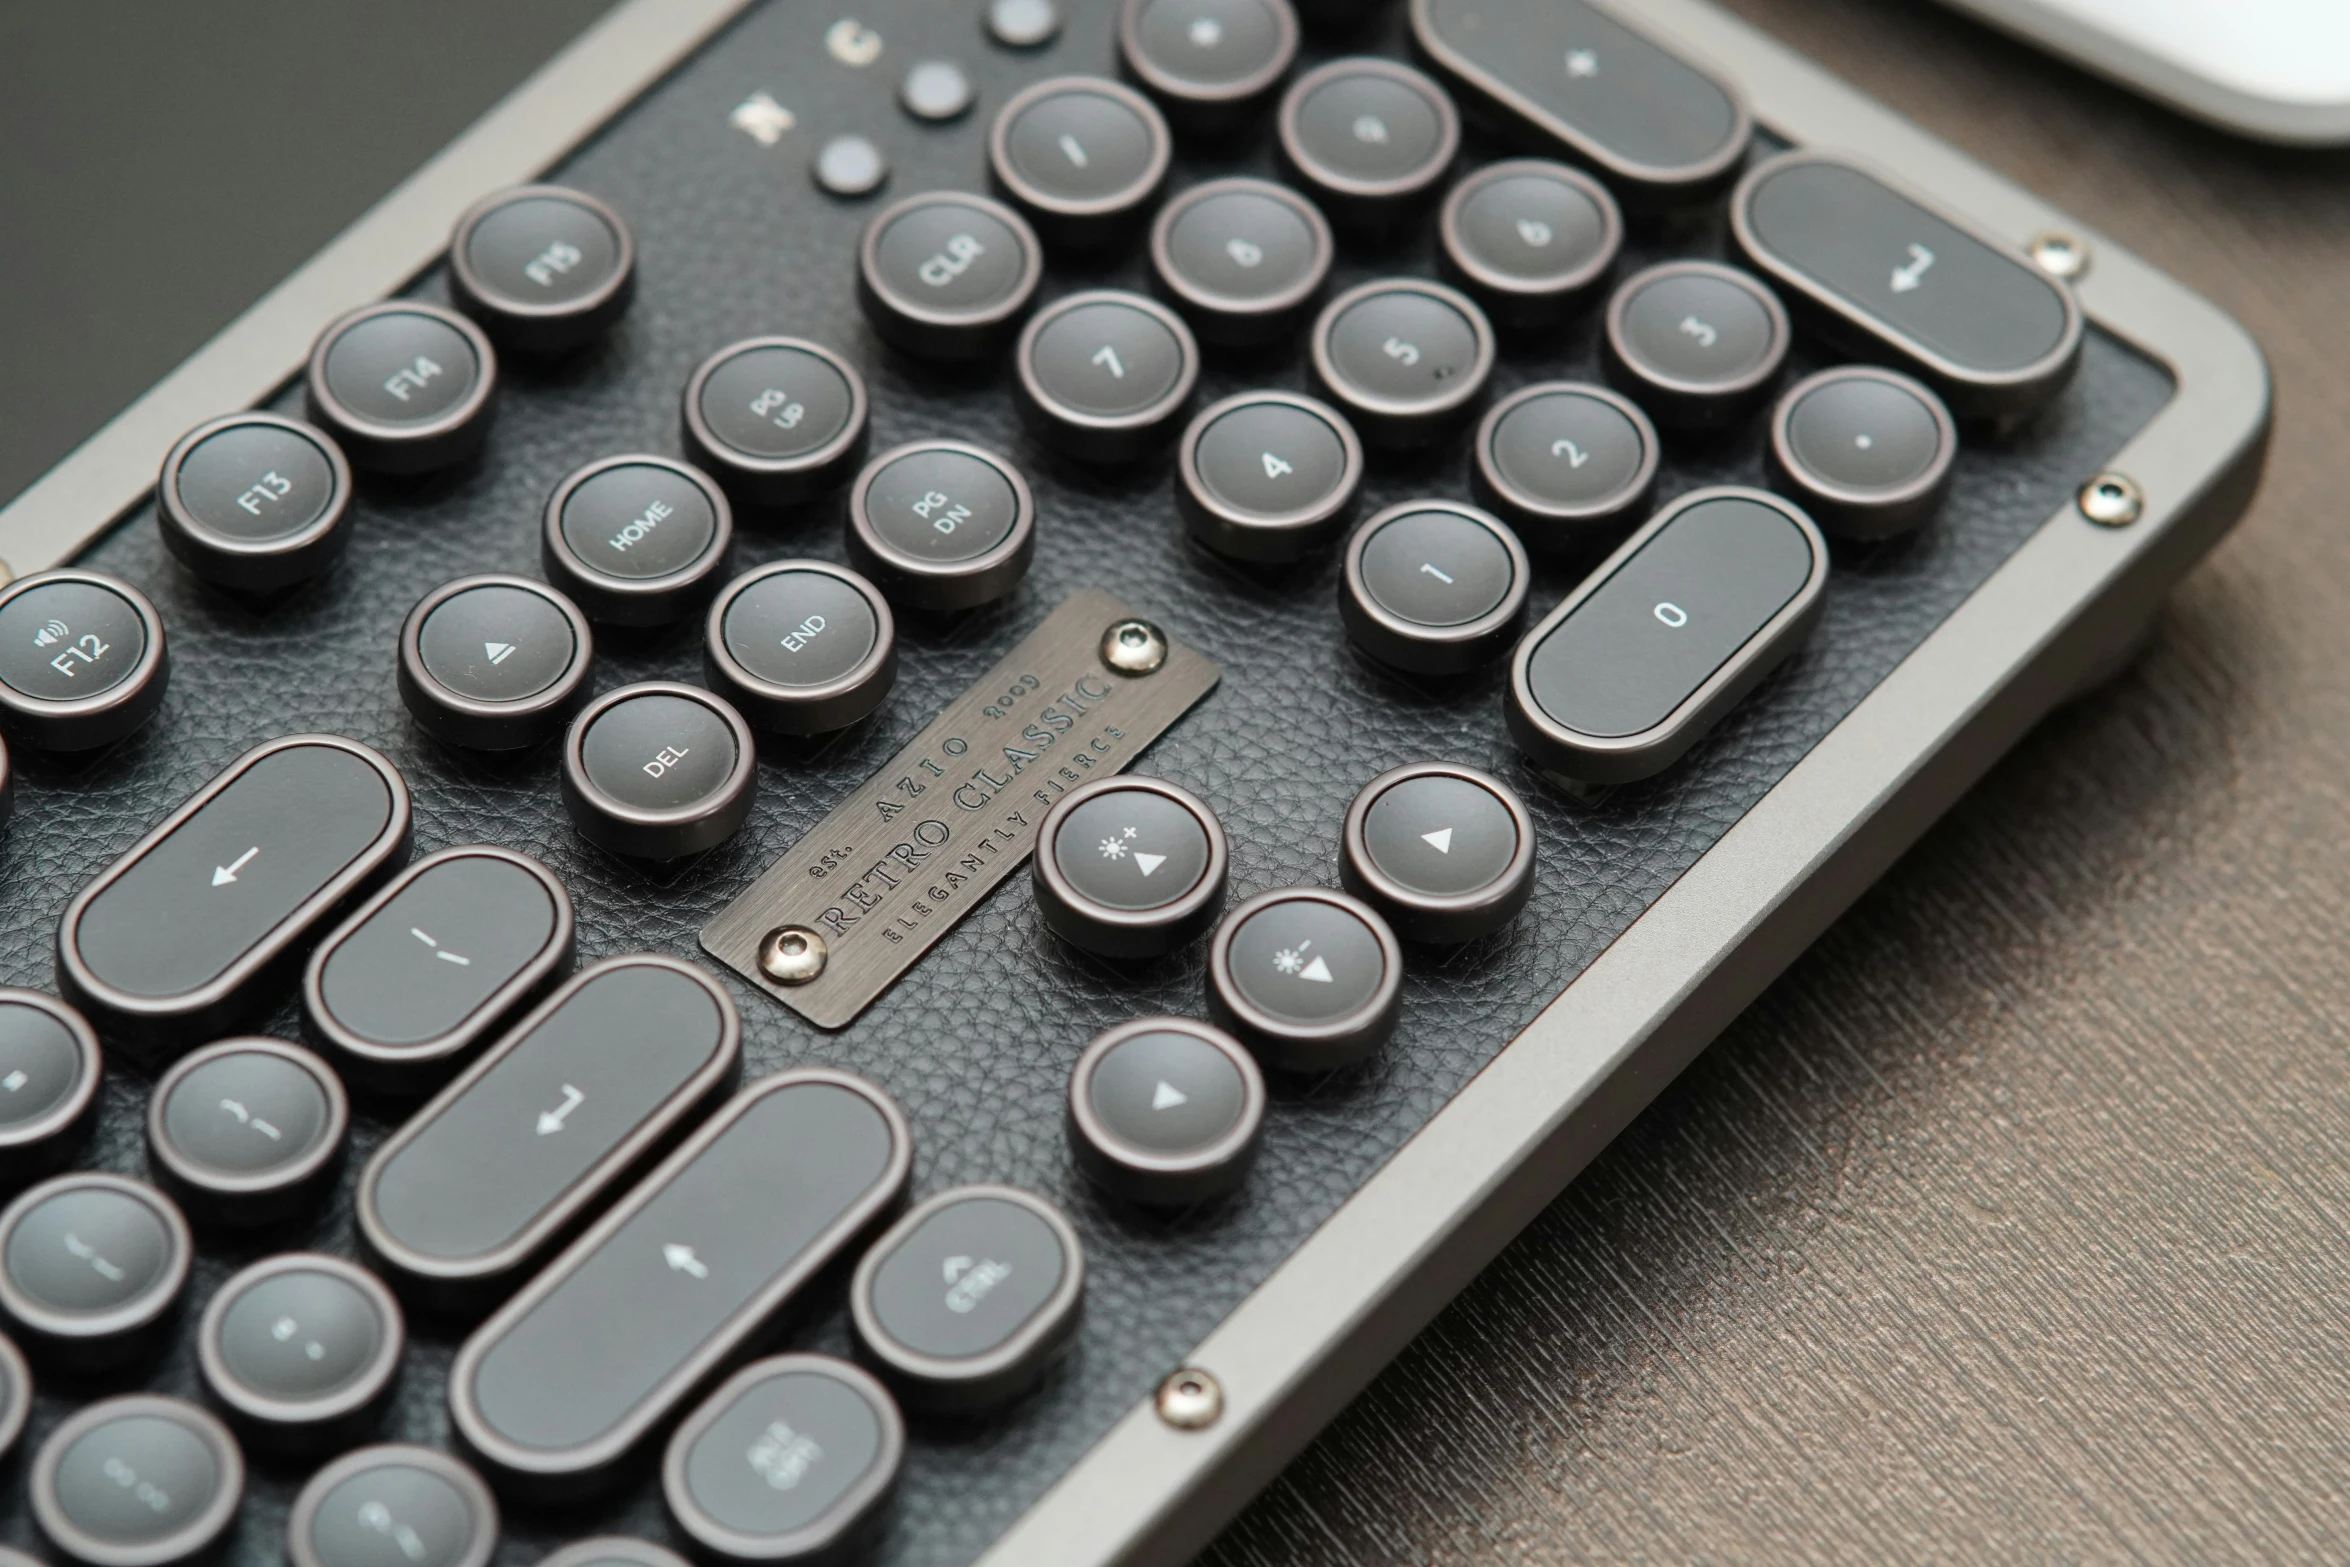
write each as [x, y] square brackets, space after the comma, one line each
[81, 659]
[613, 1550]
[1130, 867]
[1446, 853]
[543, 268]
[1210, 63]
[1369, 138]
[637, 541]
[301, 1350]
[1529, 239]
[776, 419]
[405, 387]
[966, 1300]
[1104, 376]
[91, 1268]
[393, 1506]
[1023, 24]
[1242, 259]
[658, 771]
[254, 502]
[1267, 477]
[936, 91]
[801, 647]
[1695, 343]
[790, 1461]
[1308, 978]
[1569, 467]
[942, 525]
[1166, 1111]
[1867, 452]
[50, 1069]
[247, 1131]
[1434, 588]
[1082, 156]
[16, 1396]
[946, 275]
[138, 1481]
[494, 663]
[1407, 359]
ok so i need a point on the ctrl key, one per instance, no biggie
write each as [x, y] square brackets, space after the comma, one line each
[788, 1462]
[138, 1481]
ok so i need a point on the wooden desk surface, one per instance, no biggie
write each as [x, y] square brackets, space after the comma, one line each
[2011, 1224]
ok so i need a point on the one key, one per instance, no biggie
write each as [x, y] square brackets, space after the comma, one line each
[1309, 979]
[544, 268]
[1083, 157]
[1369, 139]
[247, 1131]
[945, 275]
[405, 387]
[1529, 240]
[1696, 344]
[481, 1183]
[790, 1461]
[302, 1351]
[1434, 588]
[494, 663]
[137, 1479]
[393, 1506]
[801, 647]
[659, 771]
[1445, 852]
[942, 525]
[1130, 867]
[1866, 452]
[637, 541]
[173, 941]
[1663, 132]
[1267, 477]
[442, 958]
[1568, 466]
[778, 420]
[81, 660]
[255, 503]
[964, 1304]
[1166, 1111]
[1673, 629]
[16, 1396]
[1105, 376]
[1242, 259]
[1884, 274]
[1211, 64]
[50, 1069]
[91, 1269]
[1408, 360]
[613, 1550]
[677, 1279]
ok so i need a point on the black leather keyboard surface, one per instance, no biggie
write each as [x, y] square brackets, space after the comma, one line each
[977, 1041]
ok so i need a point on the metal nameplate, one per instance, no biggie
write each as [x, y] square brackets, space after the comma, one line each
[856, 903]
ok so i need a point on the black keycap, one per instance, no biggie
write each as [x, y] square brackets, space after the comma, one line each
[175, 940]
[1529, 240]
[936, 91]
[480, 1184]
[945, 275]
[612, 1550]
[637, 541]
[393, 1506]
[1210, 63]
[247, 1131]
[16, 1395]
[596, 1354]
[82, 660]
[50, 1069]
[1308, 978]
[137, 1480]
[1408, 360]
[1567, 466]
[790, 1461]
[658, 771]
[1434, 588]
[1083, 157]
[301, 1351]
[1267, 477]
[255, 502]
[1445, 852]
[1369, 139]
[1166, 1111]
[91, 1268]
[404, 386]
[942, 525]
[1666, 636]
[1885, 274]
[494, 663]
[1696, 344]
[1130, 867]
[963, 1305]
[776, 419]
[1105, 376]
[1023, 24]
[436, 962]
[544, 268]
[1866, 452]
[1663, 132]
[1242, 259]
[801, 647]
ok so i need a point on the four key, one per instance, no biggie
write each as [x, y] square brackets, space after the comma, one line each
[1267, 477]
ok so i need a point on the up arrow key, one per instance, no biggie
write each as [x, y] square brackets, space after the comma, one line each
[222, 875]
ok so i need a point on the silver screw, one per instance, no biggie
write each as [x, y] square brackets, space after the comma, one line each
[1134, 647]
[792, 955]
[2112, 500]
[1190, 1400]
[2060, 255]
